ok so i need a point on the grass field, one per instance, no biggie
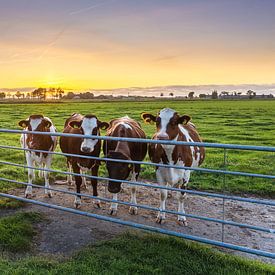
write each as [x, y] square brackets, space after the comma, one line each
[128, 254]
[239, 122]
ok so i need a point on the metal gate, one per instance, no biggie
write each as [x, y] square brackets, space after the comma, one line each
[222, 197]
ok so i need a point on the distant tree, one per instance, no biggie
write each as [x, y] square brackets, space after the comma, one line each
[2, 95]
[251, 94]
[60, 92]
[9, 95]
[87, 95]
[40, 93]
[161, 94]
[214, 94]
[191, 95]
[18, 94]
[171, 94]
[224, 93]
[202, 95]
[52, 92]
[28, 95]
[70, 95]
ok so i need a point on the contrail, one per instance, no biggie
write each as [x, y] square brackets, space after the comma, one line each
[90, 7]
[52, 43]
[57, 37]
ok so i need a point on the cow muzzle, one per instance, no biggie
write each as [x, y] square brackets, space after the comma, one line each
[86, 149]
[114, 187]
[162, 136]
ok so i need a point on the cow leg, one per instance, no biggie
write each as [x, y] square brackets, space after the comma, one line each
[78, 182]
[133, 210]
[82, 172]
[94, 184]
[163, 195]
[69, 176]
[31, 175]
[113, 208]
[48, 163]
[181, 196]
[40, 172]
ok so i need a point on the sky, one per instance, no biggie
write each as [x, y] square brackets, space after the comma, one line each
[92, 44]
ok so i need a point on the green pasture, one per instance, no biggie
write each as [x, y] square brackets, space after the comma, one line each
[236, 122]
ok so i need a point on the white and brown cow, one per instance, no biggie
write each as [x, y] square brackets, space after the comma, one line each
[82, 125]
[38, 123]
[171, 126]
[128, 128]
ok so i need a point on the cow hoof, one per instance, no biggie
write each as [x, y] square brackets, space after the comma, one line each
[133, 210]
[28, 196]
[160, 220]
[113, 212]
[77, 205]
[97, 204]
[182, 223]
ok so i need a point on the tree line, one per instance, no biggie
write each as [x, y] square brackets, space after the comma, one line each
[39, 93]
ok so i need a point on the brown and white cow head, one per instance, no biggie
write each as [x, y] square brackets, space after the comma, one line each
[117, 170]
[89, 125]
[167, 121]
[36, 123]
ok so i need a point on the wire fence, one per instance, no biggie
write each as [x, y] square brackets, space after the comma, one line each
[223, 197]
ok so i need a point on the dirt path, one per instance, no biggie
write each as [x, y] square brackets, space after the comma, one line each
[64, 233]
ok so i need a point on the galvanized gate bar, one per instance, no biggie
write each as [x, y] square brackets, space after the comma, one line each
[140, 140]
[146, 227]
[231, 223]
[200, 193]
[204, 170]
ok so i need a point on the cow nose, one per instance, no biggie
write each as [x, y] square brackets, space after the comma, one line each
[114, 187]
[162, 137]
[85, 149]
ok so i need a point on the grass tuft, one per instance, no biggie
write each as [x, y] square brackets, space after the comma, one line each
[16, 231]
[146, 254]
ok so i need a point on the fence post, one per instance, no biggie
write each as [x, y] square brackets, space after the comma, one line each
[223, 190]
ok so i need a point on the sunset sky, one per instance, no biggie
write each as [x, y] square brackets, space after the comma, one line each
[117, 43]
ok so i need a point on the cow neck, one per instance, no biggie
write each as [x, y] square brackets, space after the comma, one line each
[123, 147]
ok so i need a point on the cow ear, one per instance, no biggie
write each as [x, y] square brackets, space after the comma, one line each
[47, 123]
[103, 125]
[75, 123]
[184, 119]
[148, 118]
[23, 123]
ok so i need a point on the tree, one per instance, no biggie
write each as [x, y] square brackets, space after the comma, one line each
[250, 94]
[40, 93]
[214, 94]
[18, 94]
[60, 92]
[70, 95]
[161, 94]
[2, 95]
[202, 95]
[171, 94]
[224, 93]
[191, 95]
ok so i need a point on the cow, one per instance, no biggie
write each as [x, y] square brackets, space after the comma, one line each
[123, 150]
[38, 123]
[83, 125]
[171, 126]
